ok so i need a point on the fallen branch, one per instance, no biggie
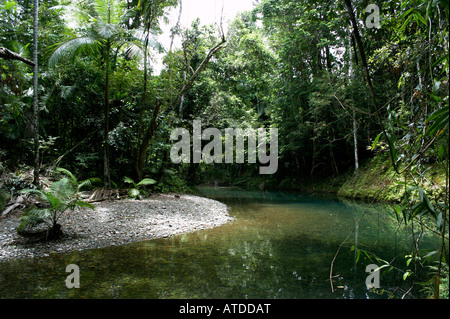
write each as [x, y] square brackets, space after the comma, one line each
[102, 194]
[11, 55]
[19, 204]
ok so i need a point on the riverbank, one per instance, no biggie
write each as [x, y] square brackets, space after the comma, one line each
[116, 223]
[376, 181]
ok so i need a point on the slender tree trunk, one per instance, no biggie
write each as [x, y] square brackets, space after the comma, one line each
[142, 148]
[144, 93]
[106, 169]
[355, 126]
[180, 111]
[35, 93]
[355, 142]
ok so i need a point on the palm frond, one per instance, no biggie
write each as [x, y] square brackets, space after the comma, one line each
[88, 182]
[63, 190]
[107, 31]
[77, 13]
[40, 194]
[56, 203]
[80, 203]
[35, 216]
[109, 10]
[71, 48]
[131, 49]
[65, 171]
[30, 219]
[153, 42]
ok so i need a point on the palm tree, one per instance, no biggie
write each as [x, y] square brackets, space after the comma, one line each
[106, 33]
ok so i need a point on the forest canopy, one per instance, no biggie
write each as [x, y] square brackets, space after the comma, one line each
[339, 89]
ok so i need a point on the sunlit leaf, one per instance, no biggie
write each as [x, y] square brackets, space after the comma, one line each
[146, 181]
[134, 192]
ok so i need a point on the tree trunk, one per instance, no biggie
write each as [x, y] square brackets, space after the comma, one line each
[355, 143]
[144, 93]
[35, 93]
[106, 170]
[355, 126]
[142, 148]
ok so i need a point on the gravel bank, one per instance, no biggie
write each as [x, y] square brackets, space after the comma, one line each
[117, 223]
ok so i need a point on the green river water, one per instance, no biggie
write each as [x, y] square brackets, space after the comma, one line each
[281, 245]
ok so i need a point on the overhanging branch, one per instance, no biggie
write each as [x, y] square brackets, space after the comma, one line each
[11, 55]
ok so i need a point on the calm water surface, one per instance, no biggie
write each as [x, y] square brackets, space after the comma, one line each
[280, 246]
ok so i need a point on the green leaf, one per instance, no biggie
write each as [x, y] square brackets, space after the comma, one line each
[420, 18]
[358, 253]
[441, 122]
[128, 180]
[420, 193]
[441, 153]
[408, 261]
[375, 142]
[434, 252]
[81, 203]
[134, 192]
[146, 181]
[404, 14]
[416, 209]
[407, 274]
[391, 146]
[407, 21]
[54, 201]
[440, 60]
[429, 206]
[435, 98]
[9, 5]
[63, 189]
[397, 211]
[65, 171]
[439, 220]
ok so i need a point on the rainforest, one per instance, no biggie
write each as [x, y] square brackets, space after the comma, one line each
[323, 148]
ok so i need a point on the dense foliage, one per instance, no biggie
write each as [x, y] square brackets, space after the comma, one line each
[339, 90]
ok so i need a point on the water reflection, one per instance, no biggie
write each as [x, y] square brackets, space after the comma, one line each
[280, 246]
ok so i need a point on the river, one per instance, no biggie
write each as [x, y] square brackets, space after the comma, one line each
[281, 245]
